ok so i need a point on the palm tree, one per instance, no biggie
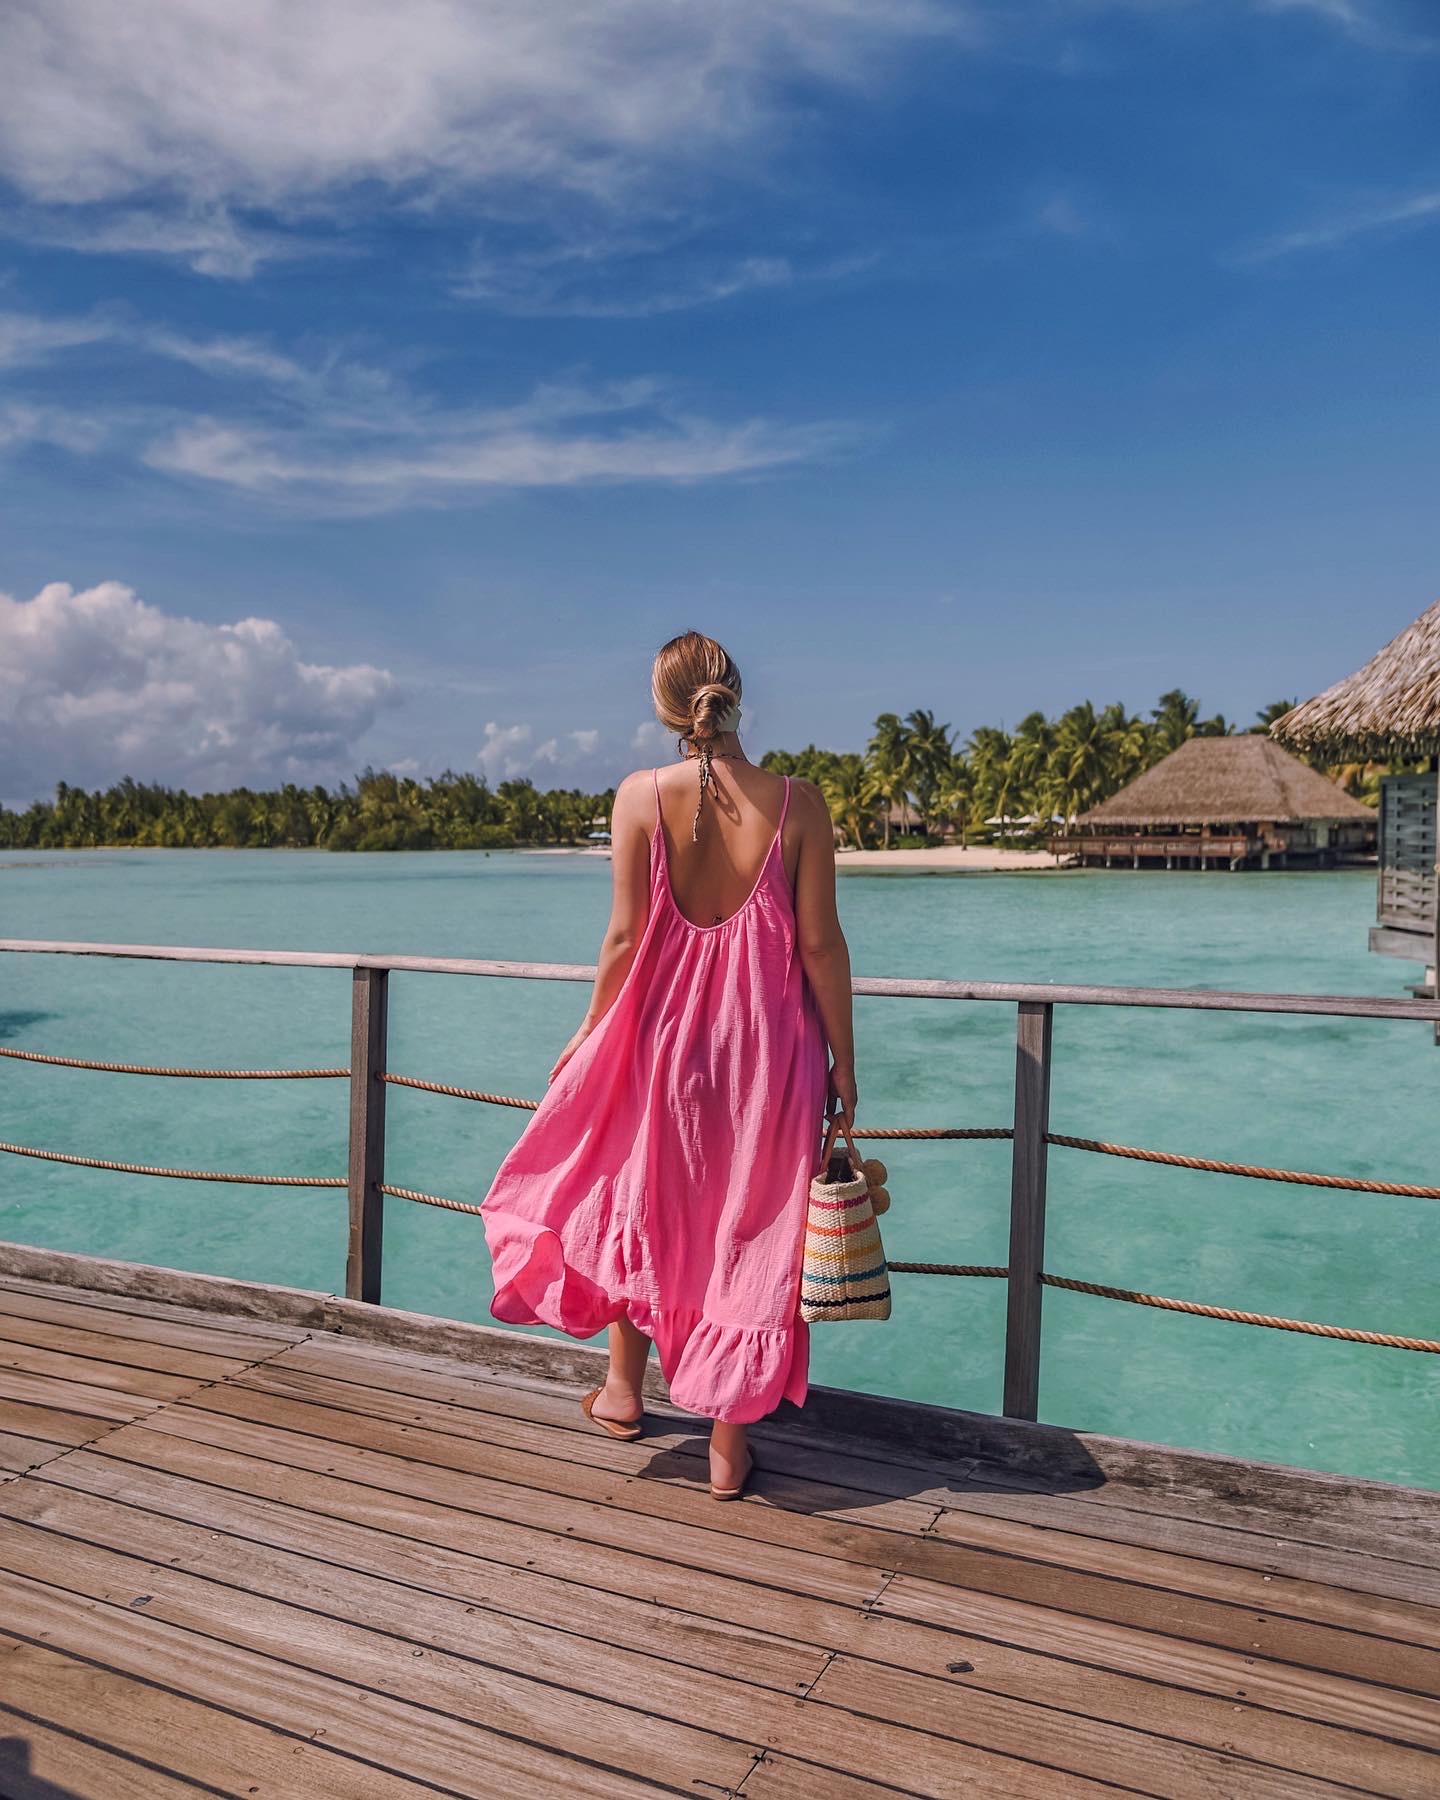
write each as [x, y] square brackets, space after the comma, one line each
[1267, 715]
[851, 795]
[1083, 744]
[1175, 719]
[1031, 752]
[991, 768]
[888, 757]
[929, 754]
[953, 794]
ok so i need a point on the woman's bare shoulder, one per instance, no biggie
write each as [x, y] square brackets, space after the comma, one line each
[806, 796]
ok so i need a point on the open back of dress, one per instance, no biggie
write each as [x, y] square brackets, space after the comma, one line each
[664, 1175]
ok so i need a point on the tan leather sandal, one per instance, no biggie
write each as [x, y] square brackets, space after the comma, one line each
[620, 1428]
[734, 1493]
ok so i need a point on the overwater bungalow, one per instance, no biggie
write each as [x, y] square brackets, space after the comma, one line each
[1223, 802]
[1389, 711]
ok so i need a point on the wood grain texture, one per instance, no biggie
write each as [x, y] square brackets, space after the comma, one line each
[281, 1557]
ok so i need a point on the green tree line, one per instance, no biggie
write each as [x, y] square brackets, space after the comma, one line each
[914, 771]
[379, 811]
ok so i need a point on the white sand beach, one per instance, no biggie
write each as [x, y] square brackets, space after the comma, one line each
[946, 859]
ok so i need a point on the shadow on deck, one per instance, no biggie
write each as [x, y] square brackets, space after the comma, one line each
[268, 1543]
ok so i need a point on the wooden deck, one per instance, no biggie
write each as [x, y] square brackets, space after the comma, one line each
[263, 1556]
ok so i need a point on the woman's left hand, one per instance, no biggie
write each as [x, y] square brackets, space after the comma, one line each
[560, 1061]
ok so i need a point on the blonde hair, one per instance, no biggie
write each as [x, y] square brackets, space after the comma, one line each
[695, 685]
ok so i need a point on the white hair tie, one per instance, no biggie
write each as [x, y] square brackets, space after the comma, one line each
[729, 719]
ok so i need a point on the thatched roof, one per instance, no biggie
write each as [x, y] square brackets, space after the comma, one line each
[1389, 710]
[1227, 781]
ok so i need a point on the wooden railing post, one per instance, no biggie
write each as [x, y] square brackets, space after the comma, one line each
[1027, 1209]
[369, 1007]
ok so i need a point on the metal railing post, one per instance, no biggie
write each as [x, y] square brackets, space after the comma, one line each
[1027, 1209]
[369, 1008]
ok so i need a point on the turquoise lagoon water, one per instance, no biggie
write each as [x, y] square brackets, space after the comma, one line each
[1354, 1097]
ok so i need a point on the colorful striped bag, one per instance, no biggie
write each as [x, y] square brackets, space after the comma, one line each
[843, 1275]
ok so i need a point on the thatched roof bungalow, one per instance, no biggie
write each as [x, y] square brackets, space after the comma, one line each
[1389, 711]
[1223, 802]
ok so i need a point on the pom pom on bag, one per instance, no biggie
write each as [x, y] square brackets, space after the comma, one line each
[844, 1273]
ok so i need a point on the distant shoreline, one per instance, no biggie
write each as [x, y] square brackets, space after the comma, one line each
[941, 859]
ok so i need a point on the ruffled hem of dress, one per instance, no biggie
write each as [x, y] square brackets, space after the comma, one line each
[738, 1373]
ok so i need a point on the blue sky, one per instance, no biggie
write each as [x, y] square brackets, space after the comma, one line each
[385, 384]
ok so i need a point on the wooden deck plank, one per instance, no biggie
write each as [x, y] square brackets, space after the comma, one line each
[466, 1615]
[42, 1762]
[645, 1603]
[1226, 1624]
[785, 1778]
[469, 1625]
[449, 1407]
[847, 1467]
[121, 1378]
[548, 1708]
[153, 1321]
[50, 1424]
[110, 1346]
[80, 1397]
[1157, 1766]
[1216, 1697]
[111, 1717]
[676, 1449]
[268, 1527]
[451, 1753]
[603, 1513]
[19, 1453]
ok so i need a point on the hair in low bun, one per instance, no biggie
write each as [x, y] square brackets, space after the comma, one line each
[696, 689]
[708, 707]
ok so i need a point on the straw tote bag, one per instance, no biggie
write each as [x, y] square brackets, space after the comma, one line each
[843, 1275]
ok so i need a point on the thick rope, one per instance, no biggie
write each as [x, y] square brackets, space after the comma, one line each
[114, 1068]
[1233, 1316]
[1350, 1183]
[461, 1206]
[913, 1268]
[458, 1093]
[916, 1131]
[122, 1168]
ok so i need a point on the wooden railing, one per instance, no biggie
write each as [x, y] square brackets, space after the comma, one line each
[1029, 1130]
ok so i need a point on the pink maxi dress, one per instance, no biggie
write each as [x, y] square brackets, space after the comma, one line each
[665, 1174]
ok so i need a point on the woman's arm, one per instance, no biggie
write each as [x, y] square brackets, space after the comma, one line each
[630, 822]
[824, 953]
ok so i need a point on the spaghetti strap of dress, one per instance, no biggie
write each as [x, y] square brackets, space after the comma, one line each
[665, 1174]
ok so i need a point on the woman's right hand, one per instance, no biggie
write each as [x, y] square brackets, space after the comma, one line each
[843, 1095]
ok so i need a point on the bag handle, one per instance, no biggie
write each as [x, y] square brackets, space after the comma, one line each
[836, 1122]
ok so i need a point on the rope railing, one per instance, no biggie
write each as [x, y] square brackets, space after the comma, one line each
[1036, 1133]
[1354, 1184]
[116, 1068]
[1233, 1316]
[124, 1168]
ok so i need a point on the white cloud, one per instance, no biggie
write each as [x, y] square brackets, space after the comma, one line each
[1369, 22]
[26, 339]
[650, 738]
[22, 425]
[632, 277]
[210, 240]
[335, 435]
[586, 742]
[1380, 215]
[184, 111]
[505, 752]
[97, 684]
[317, 470]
